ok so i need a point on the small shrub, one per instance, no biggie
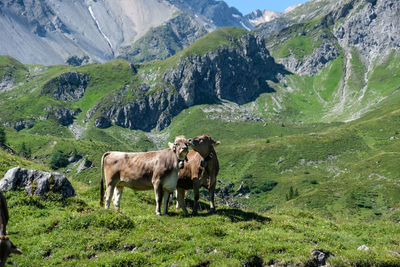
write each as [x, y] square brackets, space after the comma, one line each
[110, 220]
[23, 199]
[293, 193]
[2, 136]
[26, 152]
[253, 261]
[58, 160]
[268, 185]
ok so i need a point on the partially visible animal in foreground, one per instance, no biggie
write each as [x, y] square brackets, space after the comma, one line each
[157, 170]
[6, 246]
[201, 169]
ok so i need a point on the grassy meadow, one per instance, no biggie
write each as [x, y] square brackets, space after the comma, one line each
[346, 176]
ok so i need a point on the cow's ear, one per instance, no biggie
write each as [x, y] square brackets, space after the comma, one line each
[217, 143]
[171, 145]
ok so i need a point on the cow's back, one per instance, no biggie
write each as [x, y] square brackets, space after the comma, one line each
[136, 169]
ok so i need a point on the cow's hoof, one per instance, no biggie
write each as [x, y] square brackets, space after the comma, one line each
[158, 213]
[212, 210]
[194, 212]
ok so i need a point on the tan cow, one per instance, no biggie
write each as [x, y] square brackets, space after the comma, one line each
[6, 246]
[201, 169]
[157, 170]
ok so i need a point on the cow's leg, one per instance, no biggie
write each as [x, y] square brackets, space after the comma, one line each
[196, 189]
[180, 195]
[212, 189]
[158, 191]
[177, 200]
[166, 202]
[117, 196]
[110, 185]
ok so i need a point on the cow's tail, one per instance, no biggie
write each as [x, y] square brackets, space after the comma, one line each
[102, 180]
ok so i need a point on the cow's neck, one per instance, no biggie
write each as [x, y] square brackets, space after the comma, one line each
[208, 157]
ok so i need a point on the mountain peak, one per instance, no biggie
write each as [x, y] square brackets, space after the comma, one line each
[49, 32]
[262, 16]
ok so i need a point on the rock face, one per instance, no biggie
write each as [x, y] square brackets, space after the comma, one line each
[64, 116]
[237, 73]
[166, 40]
[77, 61]
[102, 122]
[51, 31]
[36, 182]
[372, 27]
[262, 16]
[21, 124]
[313, 63]
[67, 87]
[6, 83]
[213, 14]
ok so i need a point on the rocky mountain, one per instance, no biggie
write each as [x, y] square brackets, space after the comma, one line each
[324, 65]
[236, 72]
[258, 16]
[166, 40]
[52, 31]
[317, 37]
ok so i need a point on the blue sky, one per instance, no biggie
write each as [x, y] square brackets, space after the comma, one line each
[247, 6]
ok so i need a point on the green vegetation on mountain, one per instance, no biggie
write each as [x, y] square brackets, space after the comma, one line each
[12, 68]
[220, 37]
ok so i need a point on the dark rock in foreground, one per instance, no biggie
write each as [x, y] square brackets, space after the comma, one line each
[36, 182]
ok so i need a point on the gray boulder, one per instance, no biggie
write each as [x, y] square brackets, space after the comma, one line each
[36, 182]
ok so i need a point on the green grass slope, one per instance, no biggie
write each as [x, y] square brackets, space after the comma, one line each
[76, 232]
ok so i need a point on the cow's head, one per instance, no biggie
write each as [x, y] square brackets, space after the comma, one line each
[203, 144]
[7, 248]
[180, 148]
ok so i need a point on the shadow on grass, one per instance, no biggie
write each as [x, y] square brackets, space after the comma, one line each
[235, 215]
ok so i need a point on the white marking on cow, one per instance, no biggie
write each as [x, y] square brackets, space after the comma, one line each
[117, 196]
[170, 181]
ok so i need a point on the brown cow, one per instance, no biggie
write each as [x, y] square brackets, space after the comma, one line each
[201, 169]
[6, 246]
[157, 170]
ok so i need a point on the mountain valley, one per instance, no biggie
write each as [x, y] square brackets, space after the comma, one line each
[306, 106]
